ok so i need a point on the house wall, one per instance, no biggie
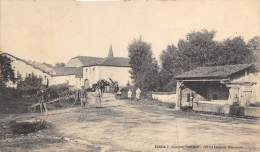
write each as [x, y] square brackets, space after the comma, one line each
[95, 73]
[252, 77]
[69, 79]
[24, 69]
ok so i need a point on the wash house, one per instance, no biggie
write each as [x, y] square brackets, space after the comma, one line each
[215, 88]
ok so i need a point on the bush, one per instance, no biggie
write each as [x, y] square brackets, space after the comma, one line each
[59, 90]
[28, 127]
[30, 85]
[12, 101]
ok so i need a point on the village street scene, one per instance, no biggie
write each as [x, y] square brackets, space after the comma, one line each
[105, 76]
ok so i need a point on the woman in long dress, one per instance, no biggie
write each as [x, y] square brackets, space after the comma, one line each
[98, 96]
[83, 97]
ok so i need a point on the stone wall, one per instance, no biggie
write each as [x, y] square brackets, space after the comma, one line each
[170, 97]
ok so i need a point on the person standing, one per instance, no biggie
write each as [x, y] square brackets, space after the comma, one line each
[83, 99]
[129, 94]
[44, 100]
[77, 96]
[98, 96]
[138, 94]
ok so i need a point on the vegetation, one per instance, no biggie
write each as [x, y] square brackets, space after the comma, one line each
[144, 67]
[28, 127]
[6, 71]
[200, 49]
[31, 83]
[60, 64]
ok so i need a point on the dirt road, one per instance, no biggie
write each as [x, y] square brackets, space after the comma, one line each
[120, 126]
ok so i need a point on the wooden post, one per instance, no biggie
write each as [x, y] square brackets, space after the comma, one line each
[179, 94]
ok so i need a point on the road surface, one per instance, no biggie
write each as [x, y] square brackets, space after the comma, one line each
[121, 126]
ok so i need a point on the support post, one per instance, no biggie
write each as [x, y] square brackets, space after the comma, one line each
[179, 94]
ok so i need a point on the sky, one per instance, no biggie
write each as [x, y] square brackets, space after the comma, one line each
[56, 30]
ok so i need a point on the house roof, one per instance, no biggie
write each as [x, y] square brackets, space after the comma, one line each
[214, 71]
[89, 60]
[26, 62]
[44, 66]
[63, 71]
[115, 61]
[108, 61]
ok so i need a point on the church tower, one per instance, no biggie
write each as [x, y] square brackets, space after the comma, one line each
[110, 53]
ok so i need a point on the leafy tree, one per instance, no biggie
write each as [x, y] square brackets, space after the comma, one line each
[6, 71]
[233, 51]
[197, 50]
[60, 64]
[144, 67]
[254, 43]
[169, 68]
[200, 49]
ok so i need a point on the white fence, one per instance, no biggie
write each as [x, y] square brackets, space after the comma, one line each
[169, 97]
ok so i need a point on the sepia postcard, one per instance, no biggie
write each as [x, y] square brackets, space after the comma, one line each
[129, 76]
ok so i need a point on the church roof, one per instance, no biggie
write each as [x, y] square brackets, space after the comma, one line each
[115, 61]
[89, 60]
[108, 61]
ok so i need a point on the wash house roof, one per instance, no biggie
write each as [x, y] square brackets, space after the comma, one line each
[218, 72]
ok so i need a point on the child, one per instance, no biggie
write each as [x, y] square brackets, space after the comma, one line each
[129, 94]
[138, 93]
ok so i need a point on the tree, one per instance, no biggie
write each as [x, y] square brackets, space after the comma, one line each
[197, 50]
[169, 68]
[60, 64]
[254, 43]
[233, 51]
[200, 49]
[144, 67]
[6, 71]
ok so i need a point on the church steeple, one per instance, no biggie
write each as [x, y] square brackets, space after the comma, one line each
[110, 53]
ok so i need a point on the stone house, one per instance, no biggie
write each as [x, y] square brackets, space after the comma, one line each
[67, 75]
[25, 68]
[95, 68]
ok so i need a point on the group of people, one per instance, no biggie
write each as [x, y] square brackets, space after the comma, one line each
[137, 94]
[82, 96]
